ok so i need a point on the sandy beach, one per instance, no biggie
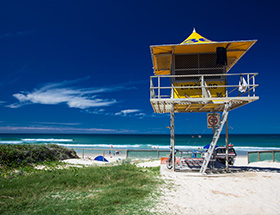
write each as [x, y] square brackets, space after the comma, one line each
[253, 190]
[239, 193]
[87, 159]
[247, 192]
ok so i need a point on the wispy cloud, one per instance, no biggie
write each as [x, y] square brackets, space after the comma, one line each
[9, 35]
[136, 113]
[99, 111]
[128, 111]
[12, 77]
[58, 123]
[50, 129]
[63, 92]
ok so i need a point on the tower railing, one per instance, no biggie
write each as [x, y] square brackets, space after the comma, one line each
[192, 86]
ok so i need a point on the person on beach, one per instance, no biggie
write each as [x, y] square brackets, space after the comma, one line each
[110, 152]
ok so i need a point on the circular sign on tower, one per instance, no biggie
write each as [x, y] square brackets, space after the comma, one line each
[213, 120]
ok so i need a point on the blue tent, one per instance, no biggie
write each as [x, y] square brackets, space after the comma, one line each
[100, 158]
[208, 145]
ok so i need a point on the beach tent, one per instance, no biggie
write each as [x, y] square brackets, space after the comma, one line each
[100, 158]
[207, 146]
[195, 43]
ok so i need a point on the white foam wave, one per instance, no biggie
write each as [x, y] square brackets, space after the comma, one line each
[136, 146]
[10, 142]
[46, 140]
[67, 143]
[160, 147]
[238, 148]
[252, 148]
[99, 145]
[176, 147]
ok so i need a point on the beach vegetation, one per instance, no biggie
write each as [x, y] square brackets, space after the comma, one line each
[116, 189]
[15, 156]
[126, 161]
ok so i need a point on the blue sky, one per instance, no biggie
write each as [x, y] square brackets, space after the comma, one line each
[84, 66]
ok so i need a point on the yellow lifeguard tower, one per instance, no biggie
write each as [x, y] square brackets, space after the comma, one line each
[193, 76]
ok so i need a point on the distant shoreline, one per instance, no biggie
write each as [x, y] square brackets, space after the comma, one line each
[167, 134]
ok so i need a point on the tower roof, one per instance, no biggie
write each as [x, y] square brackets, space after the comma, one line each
[195, 38]
[196, 44]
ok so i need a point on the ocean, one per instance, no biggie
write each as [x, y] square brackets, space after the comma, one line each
[242, 142]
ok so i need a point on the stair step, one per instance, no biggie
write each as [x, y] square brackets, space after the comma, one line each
[215, 138]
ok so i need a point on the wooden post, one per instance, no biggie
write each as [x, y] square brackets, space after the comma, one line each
[227, 152]
[103, 155]
[172, 136]
[83, 155]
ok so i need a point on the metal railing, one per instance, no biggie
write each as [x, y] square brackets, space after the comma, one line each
[256, 156]
[164, 86]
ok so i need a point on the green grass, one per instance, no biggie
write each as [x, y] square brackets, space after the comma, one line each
[121, 189]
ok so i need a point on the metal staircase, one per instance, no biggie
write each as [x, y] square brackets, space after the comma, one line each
[215, 137]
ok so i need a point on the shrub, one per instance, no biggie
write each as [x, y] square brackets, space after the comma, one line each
[21, 155]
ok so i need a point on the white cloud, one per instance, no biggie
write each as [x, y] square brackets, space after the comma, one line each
[58, 123]
[137, 113]
[97, 111]
[128, 111]
[64, 130]
[55, 129]
[14, 105]
[57, 93]
[140, 114]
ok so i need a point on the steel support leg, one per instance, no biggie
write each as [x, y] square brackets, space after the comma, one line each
[172, 136]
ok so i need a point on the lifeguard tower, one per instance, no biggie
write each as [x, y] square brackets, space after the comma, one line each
[194, 77]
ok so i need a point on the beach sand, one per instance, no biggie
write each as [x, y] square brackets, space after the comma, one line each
[87, 159]
[244, 192]
[254, 190]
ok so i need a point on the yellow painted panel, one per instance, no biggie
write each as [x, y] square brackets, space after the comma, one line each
[163, 62]
[162, 72]
[187, 92]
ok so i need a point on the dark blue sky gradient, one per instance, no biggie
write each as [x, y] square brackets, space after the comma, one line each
[99, 50]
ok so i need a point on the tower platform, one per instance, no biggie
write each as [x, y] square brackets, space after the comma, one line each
[200, 97]
[198, 105]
